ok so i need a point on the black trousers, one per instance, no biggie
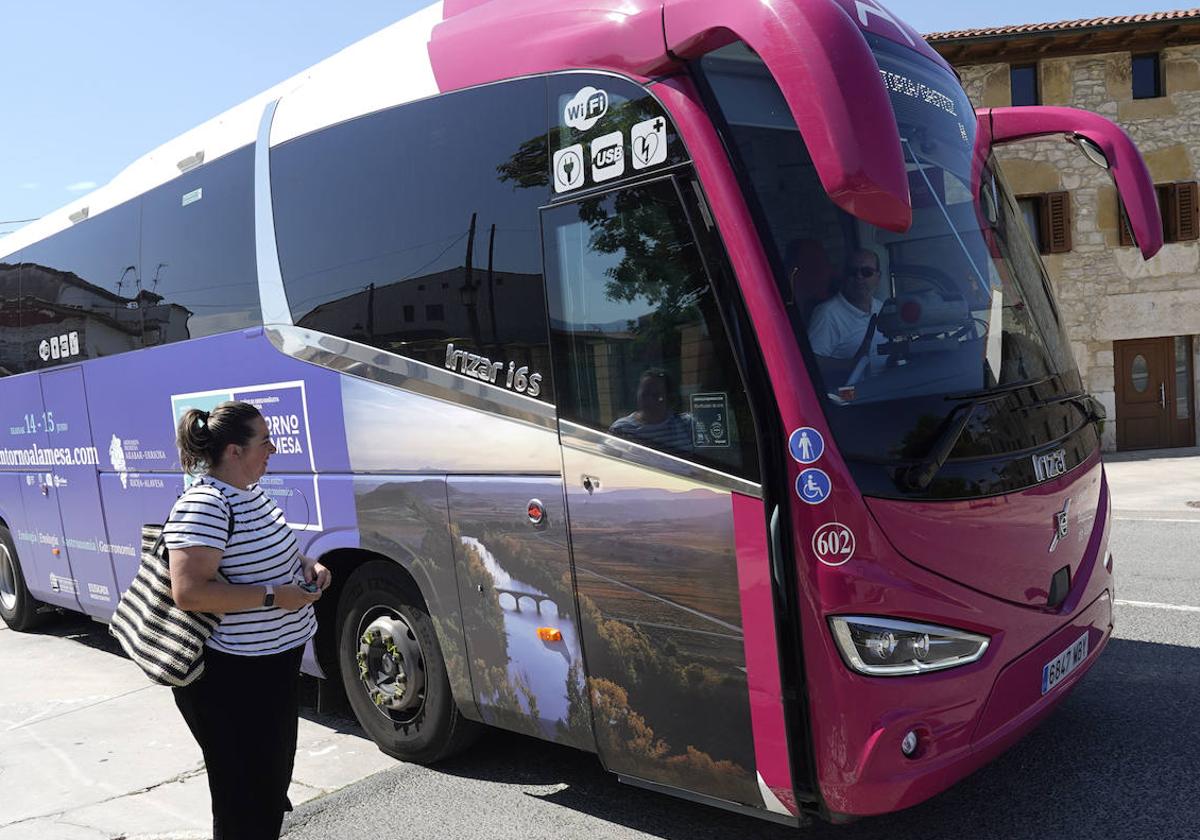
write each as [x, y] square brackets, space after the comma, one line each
[244, 713]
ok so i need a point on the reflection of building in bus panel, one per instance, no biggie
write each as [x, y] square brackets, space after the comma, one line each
[1134, 326]
[39, 304]
[417, 317]
[10, 319]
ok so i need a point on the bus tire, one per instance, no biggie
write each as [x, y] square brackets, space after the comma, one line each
[18, 607]
[392, 668]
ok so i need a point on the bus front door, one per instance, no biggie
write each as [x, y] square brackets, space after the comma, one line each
[668, 531]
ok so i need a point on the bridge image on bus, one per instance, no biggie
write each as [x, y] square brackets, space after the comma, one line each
[672, 380]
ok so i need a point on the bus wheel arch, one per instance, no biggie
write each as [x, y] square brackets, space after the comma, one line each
[18, 608]
[390, 662]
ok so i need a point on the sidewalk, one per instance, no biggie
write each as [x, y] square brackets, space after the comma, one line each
[90, 750]
[1160, 481]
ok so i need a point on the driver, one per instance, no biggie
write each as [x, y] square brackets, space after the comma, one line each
[839, 325]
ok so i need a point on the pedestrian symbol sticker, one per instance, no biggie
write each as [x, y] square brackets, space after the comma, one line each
[813, 486]
[806, 445]
[608, 157]
[649, 141]
[833, 544]
[568, 168]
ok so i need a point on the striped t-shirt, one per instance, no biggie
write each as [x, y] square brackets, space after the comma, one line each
[261, 550]
[674, 434]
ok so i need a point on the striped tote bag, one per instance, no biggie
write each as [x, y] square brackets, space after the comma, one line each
[167, 643]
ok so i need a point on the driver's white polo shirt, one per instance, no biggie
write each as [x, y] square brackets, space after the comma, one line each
[838, 326]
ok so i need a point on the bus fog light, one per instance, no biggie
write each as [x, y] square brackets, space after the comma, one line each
[909, 745]
[886, 647]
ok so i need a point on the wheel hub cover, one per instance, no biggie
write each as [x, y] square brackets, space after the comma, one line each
[389, 664]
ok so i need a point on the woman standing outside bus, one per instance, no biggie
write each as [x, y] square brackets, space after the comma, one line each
[244, 709]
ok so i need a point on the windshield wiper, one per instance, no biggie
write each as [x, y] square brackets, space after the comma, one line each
[920, 476]
[1091, 407]
[999, 390]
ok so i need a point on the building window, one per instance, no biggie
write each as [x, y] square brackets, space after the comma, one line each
[1030, 207]
[1179, 205]
[1048, 217]
[409, 315]
[1147, 76]
[1024, 81]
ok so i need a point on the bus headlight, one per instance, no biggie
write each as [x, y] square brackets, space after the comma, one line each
[889, 647]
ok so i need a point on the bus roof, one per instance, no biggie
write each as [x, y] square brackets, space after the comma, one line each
[449, 45]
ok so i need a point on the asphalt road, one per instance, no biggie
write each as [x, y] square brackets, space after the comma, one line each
[1119, 759]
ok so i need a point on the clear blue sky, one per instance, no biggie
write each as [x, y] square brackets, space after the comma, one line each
[90, 86]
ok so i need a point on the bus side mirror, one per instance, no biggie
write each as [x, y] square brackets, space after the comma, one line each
[828, 75]
[1101, 141]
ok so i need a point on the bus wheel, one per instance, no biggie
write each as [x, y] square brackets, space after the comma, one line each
[18, 608]
[392, 668]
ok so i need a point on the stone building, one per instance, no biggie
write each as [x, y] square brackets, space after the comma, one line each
[1133, 324]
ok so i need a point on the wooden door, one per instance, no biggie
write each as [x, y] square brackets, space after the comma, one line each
[1144, 375]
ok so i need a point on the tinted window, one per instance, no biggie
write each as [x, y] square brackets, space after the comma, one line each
[1147, 76]
[198, 272]
[11, 343]
[81, 293]
[417, 227]
[640, 349]
[1024, 85]
[1030, 207]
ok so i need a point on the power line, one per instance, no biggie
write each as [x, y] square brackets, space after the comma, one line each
[17, 221]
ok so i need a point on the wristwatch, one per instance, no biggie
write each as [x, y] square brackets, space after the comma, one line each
[269, 598]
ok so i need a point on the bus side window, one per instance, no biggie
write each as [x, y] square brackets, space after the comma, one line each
[198, 265]
[416, 228]
[640, 348]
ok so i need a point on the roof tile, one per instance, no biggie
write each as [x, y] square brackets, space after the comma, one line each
[1064, 25]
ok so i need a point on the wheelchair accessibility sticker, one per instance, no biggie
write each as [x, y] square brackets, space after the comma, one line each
[813, 486]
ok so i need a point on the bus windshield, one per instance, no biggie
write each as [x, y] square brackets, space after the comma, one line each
[902, 329]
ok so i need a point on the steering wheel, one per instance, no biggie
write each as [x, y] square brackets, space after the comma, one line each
[979, 325]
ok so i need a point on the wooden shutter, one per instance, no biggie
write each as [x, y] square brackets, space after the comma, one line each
[1123, 224]
[1056, 210]
[1187, 223]
[1168, 207]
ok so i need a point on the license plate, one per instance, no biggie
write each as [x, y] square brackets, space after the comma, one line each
[1056, 670]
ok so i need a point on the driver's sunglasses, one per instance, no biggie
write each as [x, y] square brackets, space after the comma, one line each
[863, 271]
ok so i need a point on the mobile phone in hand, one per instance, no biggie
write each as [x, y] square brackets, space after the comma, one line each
[308, 587]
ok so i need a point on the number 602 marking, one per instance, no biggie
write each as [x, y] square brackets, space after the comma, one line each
[833, 544]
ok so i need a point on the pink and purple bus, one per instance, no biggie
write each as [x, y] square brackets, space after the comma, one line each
[670, 379]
